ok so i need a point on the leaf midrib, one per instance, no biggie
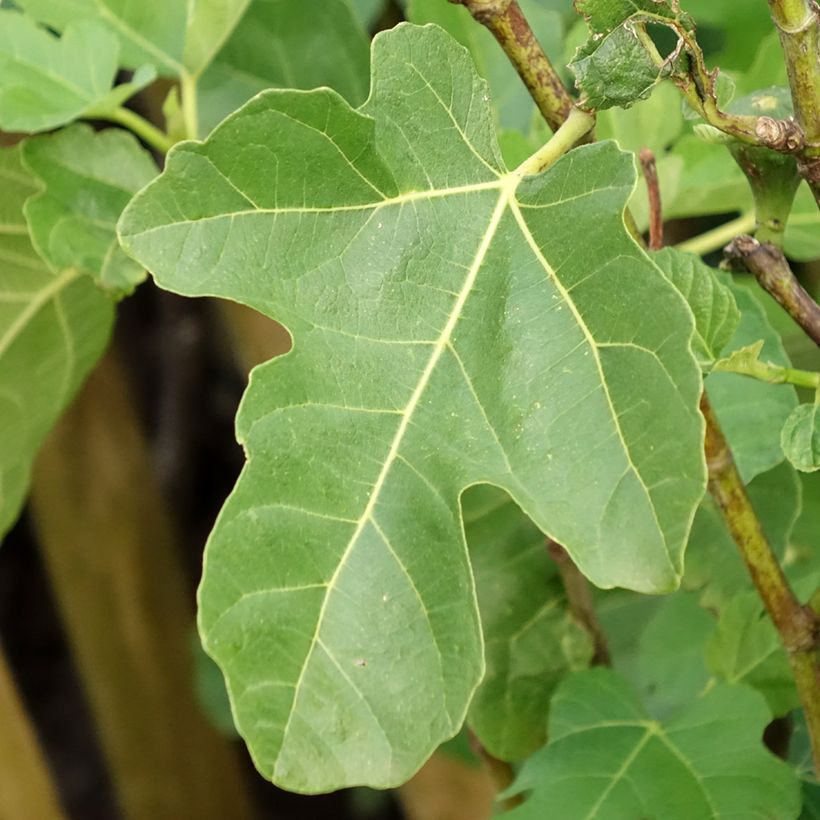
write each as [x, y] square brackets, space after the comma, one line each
[407, 414]
[43, 297]
[507, 186]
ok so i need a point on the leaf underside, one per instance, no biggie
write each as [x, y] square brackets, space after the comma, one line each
[453, 324]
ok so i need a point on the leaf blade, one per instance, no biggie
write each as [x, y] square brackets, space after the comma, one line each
[411, 406]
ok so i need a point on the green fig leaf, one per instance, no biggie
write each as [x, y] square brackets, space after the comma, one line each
[608, 759]
[454, 323]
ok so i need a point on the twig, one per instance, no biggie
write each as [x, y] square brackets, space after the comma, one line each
[798, 23]
[146, 131]
[796, 624]
[653, 191]
[579, 598]
[510, 27]
[699, 86]
[772, 271]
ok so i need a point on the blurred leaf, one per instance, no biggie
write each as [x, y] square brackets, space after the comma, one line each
[515, 147]
[801, 758]
[754, 437]
[54, 325]
[281, 43]
[328, 601]
[801, 437]
[747, 649]
[88, 178]
[177, 38]
[742, 25]
[768, 67]
[708, 181]
[654, 123]
[624, 615]
[712, 303]
[211, 691]
[368, 11]
[713, 563]
[47, 81]
[804, 535]
[802, 241]
[608, 759]
[530, 642]
[671, 665]
[512, 104]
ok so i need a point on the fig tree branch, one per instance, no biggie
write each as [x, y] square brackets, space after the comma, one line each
[798, 23]
[510, 27]
[769, 266]
[796, 624]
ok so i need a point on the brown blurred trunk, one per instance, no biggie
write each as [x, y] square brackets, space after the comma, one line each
[113, 563]
[254, 337]
[448, 789]
[26, 788]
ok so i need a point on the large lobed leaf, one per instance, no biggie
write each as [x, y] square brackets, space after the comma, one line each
[453, 324]
[607, 759]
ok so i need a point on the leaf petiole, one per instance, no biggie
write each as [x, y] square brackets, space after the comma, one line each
[577, 125]
[768, 372]
[190, 108]
[139, 126]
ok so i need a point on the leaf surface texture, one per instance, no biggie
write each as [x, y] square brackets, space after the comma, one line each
[454, 323]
